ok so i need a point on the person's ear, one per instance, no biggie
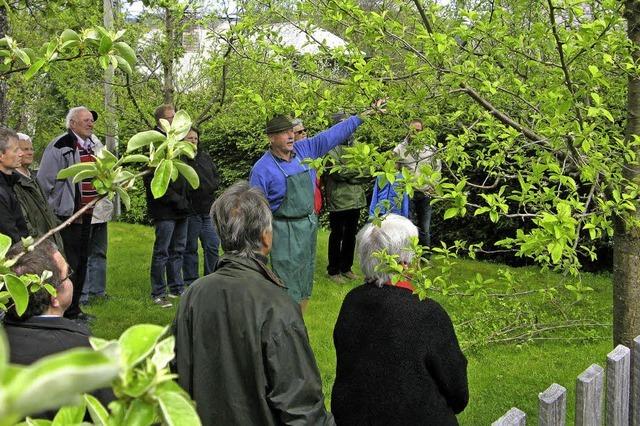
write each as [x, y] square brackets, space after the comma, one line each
[266, 239]
[54, 302]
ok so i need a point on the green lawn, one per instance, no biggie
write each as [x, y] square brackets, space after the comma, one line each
[500, 375]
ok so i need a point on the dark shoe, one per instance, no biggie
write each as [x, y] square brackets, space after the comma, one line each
[84, 318]
[162, 302]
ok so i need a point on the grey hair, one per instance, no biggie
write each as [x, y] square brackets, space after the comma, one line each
[73, 112]
[6, 135]
[296, 122]
[393, 235]
[241, 215]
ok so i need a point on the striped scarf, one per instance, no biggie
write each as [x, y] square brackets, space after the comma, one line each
[87, 191]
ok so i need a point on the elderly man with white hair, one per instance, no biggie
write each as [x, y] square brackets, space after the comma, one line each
[65, 197]
[398, 358]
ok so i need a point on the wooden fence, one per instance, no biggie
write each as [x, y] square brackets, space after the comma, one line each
[617, 403]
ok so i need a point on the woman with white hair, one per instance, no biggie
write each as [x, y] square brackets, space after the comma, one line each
[398, 358]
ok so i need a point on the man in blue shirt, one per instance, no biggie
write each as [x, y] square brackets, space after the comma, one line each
[288, 185]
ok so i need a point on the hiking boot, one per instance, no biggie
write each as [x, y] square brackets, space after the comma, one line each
[162, 302]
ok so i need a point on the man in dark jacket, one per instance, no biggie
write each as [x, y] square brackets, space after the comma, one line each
[12, 221]
[169, 214]
[200, 225]
[42, 329]
[242, 350]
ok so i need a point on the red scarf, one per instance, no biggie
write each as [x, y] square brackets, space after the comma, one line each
[402, 284]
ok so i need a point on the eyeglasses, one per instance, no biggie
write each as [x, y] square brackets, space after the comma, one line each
[301, 131]
[69, 273]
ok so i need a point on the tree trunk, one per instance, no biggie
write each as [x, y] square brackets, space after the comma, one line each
[168, 56]
[4, 105]
[626, 243]
[111, 124]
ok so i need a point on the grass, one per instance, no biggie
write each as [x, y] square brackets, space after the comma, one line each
[501, 376]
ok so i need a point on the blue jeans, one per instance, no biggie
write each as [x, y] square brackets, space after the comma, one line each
[421, 209]
[95, 282]
[200, 227]
[166, 260]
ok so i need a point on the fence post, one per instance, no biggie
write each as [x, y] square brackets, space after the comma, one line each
[589, 396]
[513, 417]
[618, 366]
[635, 382]
[552, 406]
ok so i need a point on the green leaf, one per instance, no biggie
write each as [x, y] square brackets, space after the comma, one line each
[75, 169]
[105, 45]
[181, 124]
[59, 380]
[68, 35]
[138, 341]
[85, 174]
[126, 52]
[161, 178]
[188, 172]
[135, 158]
[4, 354]
[123, 64]
[69, 415]
[177, 410]
[451, 212]
[140, 413]
[143, 139]
[34, 69]
[163, 353]
[23, 56]
[98, 413]
[19, 292]
[5, 245]
[124, 196]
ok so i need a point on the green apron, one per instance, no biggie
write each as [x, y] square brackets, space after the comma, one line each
[295, 227]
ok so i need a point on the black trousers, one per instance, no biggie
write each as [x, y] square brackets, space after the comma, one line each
[342, 240]
[76, 238]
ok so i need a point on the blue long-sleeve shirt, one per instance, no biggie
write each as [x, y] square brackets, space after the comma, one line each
[266, 175]
[388, 192]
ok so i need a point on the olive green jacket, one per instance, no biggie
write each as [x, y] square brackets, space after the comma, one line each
[242, 350]
[344, 190]
[35, 209]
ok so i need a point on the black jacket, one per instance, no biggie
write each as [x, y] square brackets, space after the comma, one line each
[173, 205]
[398, 361]
[38, 337]
[202, 197]
[242, 350]
[12, 221]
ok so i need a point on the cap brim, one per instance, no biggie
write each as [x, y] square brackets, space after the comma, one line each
[95, 115]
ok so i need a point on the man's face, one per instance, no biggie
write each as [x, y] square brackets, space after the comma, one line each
[415, 127]
[299, 132]
[65, 290]
[27, 152]
[11, 158]
[82, 124]
[169, 114]
[192, 137]
[282, 142]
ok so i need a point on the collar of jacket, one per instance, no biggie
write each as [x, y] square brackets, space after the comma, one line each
[49, 323]
[257, 262]
[9, 180]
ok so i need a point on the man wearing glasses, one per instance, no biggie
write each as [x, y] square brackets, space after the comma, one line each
[66, 198]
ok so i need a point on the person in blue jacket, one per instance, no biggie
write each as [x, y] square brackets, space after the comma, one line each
[388, 192]
[288, 185]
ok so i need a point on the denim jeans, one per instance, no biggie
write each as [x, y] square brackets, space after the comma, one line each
[166, 260]
[95, 282]
[200, 227]
[421, 209]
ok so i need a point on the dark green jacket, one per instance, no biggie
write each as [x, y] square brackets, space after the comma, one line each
[35, 209]
[242, 350]
[344, 190]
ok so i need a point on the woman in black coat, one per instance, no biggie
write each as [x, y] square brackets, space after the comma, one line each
[398, 358]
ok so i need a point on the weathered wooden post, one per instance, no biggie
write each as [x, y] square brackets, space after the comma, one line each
[589, 396]
[552, 406]
[513, 417]
[618, 384]
[635, 382]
